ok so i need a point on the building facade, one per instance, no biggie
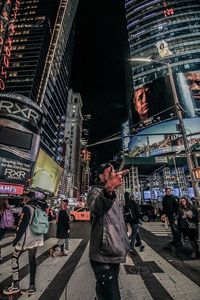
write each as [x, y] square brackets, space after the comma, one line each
[72, 135]
[175, 22]
[36, 47]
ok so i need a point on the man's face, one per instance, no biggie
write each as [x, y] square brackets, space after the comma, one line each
[106, 173]
[193, 80]
[141, 102]
[168, 192]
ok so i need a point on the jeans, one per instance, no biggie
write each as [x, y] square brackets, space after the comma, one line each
[135, 235]
[107, 286]
[32, 264]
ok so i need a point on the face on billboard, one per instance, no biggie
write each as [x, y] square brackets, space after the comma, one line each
[141, 102]
[188, 88]
[150, 100]
[193, 81]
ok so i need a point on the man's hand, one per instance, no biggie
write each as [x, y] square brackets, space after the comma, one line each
[114, 179]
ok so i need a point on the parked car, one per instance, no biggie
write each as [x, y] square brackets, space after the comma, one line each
[147, 212]
[81, 214]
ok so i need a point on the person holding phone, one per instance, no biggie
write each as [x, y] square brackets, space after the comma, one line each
[109, 242]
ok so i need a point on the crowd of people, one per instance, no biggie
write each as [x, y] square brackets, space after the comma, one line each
[114, 230]
[29, 235]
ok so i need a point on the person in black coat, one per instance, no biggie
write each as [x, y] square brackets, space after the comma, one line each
[63, 230]
[170, 209]
[132, 216]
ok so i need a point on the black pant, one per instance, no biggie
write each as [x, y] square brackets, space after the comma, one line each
[107, 286]
[175, 232]
[32, 264]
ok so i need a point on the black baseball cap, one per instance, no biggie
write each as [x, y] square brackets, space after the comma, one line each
[104, 166]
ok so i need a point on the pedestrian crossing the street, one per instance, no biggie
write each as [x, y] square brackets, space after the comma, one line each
[157, 228]
[71, 278]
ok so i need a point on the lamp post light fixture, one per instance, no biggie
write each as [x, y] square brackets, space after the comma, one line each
[179, 110]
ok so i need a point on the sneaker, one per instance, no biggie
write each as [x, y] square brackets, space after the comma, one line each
[63, 254]
[131, 253]
[51, 252]
[66, 251]
[30, 291]
[13, 289]
[141, 248]
[137, 245]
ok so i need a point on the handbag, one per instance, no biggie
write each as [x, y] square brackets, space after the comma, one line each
[191, 225]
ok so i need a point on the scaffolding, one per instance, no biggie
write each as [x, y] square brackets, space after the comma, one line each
[132, 184]
[181, 181]
[168, 179]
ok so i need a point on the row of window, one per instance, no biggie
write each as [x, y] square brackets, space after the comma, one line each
[155, 75]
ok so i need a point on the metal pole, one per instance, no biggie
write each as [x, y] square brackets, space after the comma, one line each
[184, 136]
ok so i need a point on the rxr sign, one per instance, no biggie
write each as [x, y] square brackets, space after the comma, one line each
[12, 174]
[19, 110]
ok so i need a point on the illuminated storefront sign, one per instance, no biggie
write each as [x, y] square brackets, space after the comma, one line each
[7, 29]
[12, 189]
[16, 171]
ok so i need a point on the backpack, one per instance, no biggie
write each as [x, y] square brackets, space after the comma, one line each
[40, 222]
[128, 216]
[7, 219]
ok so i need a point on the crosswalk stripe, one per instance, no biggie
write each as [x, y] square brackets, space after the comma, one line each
[157, 229]
[177, 284]
[47, 270]
[6, 267]
[5, 251]
[133, 287]
[82, 281]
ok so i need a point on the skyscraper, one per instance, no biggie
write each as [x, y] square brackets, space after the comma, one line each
[36, 46]
[175, 22]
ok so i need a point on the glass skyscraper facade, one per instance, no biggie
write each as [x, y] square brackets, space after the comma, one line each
[175, 22]
[36, 44]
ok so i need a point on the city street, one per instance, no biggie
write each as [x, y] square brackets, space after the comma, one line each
[154, 273]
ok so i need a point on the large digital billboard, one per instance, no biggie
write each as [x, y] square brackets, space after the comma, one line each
[20, 122]
[156, 130]
[47, 173]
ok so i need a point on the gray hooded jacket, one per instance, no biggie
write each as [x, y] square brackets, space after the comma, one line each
[109, 241]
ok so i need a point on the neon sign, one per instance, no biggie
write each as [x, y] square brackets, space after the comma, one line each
[7, 27]
[167, 11]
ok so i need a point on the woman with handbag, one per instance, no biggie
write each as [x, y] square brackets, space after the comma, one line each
[188, 222]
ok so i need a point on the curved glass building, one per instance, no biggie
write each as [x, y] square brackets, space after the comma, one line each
[177, 23]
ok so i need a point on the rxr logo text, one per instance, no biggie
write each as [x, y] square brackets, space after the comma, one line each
[12, 174]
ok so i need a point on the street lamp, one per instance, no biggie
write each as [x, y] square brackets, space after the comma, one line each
[181, 123]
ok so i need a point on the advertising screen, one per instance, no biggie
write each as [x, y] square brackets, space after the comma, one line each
[47, 173]
[156, 130]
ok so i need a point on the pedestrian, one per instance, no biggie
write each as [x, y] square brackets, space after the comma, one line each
[25, 239]
[170, 209]
[6, 219]
[109, 243]
[188, 222]
[132, 216]
[63, 230]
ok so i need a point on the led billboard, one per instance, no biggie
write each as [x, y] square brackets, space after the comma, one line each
[47, 173]
[156, 130]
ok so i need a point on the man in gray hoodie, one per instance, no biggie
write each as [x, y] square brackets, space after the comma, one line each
[109, 242]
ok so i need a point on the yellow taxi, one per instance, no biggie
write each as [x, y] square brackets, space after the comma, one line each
[81, 214]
